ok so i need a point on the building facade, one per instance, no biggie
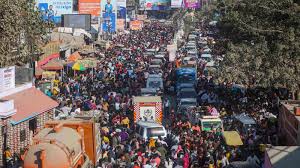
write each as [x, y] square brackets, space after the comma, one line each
[32, 109]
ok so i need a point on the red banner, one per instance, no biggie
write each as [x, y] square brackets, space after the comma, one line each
[92, 7]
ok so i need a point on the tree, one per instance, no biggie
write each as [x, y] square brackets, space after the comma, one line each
[261, 41]
[22, 29]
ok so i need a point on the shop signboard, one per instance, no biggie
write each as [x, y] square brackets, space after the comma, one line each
[7, 78]
[136, 25]
[52, 10]
[172, 52]
[109, 15]
[176, 3]
[155, 4]
[88, 63]
[49, 75]
[192, 4]
[92, 7]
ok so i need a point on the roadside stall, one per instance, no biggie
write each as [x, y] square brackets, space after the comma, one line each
[53, 65]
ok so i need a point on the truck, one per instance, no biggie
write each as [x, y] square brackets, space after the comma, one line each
[148, 108]
[65, 143]
[186, 75]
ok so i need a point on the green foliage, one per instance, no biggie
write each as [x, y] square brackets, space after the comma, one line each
[261, 41]
[21, 30]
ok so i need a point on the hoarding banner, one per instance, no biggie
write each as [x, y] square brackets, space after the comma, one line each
[141, 17]
[91, 7]
[121, 24]
[109, 15]
[155, 4]
[191, 3]
[53, 9]
[7, 78]
[176, 3]
[172, 52]
[121, 6]
[136, 25]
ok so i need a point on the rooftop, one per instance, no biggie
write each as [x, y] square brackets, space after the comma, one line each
[29, 103]
[290, 105]
[284, 156]
[147, 99]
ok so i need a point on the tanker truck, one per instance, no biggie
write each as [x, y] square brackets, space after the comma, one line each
[70, 143]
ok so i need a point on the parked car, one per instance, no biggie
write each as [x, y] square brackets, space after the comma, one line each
[149, 129]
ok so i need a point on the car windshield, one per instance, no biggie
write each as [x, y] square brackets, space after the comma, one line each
[187, 95]
[208, 59]
[188, 103]
[155, 132]
[185, 79]
[208, 125]
[154, 84]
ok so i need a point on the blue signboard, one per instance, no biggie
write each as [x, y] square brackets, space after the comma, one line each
[109, 14]
[52, 10]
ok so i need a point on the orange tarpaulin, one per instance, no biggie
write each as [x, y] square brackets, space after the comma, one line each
[74, 57]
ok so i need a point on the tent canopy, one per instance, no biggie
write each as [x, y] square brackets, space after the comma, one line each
[232, 138]
[74, 57]
[53, 65]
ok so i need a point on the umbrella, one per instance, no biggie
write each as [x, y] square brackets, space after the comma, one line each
[78, 67]
[53, 65]
[74, 57]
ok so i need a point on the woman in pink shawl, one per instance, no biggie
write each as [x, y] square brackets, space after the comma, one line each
[186, 160]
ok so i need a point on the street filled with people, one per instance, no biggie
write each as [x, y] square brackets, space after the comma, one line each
[198, 112]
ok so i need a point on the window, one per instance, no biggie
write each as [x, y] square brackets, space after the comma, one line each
[22, 135]
[33, 125]
[155, 132]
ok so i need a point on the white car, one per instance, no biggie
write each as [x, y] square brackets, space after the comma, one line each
[150, 129]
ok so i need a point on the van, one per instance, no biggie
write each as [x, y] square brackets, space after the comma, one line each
[149, 129]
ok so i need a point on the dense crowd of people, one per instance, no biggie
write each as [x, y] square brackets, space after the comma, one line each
[122, 72]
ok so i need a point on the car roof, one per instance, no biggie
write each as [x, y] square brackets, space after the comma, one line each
[245, 119]
[193, 100]
[156, 59]
[159, 56]
[149, 124]
[154, 76]
[206, 55]
[187, 89]
[146, 99]
[148, 90]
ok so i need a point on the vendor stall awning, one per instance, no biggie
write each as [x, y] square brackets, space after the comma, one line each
[232, 138]
[53, 65]
[30, 103]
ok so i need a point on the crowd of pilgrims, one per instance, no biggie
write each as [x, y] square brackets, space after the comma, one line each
[120, 74]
